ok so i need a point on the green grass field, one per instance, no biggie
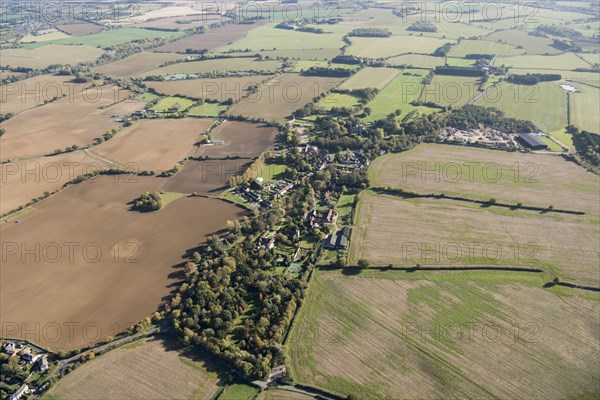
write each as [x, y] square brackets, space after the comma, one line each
[393, 46]
[459, 62]
[147, 97]
[544, 104]
[483, 47]
[207, 110]
[370, 77]
[344, 207]
[239, 391]
[417, 60]
[584, 108]
[531, 44]
[166, 103]
[452, 91]
[338, 100]
[565, 61]
[272, 172]
[110, 38]
[397, 95]
[303, 65]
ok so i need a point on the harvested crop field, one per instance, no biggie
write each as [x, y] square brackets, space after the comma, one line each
[23, 181]
[27, 93]
[280, 394]
[388, 335]
[182, 23]
[239, 139]
[210, 40]
[564, 61]
[135, 64]
[289, 92]
[216, 65]
[532, 179]
[417, 60]
[50, 54]
[208, 177]
[439, 232]
[393, 46]
[154, 144]
[483, 47]
[122, 264]
[72, 120]
[531, 44]
[153, 368]
[80, 27]
[112, 37]
[370, 77]
[219, 89]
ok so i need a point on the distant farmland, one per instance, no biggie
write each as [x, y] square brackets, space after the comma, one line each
[124, 265]
[370, 77]
[50, 54]
[218, 65]
[219, 89]
[239, 139]
[71, 120]
[393, 46]
[289, 92]
[584, 108]
[135, 64]
[155, 144]
[483, 47]
[453, 91]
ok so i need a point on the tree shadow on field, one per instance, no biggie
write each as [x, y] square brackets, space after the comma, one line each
[171, 343]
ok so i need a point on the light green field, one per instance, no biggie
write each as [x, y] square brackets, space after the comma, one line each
[452, 91]
[217, 65]
[166, 103]
[565, 61]
[552, 146]
[544, 104]
[147, 97]
[303, 65]
[591, 58]
[302, 54]
[531, 44]
[482, 47]
[207, 110]
[389, 335]
[272, 172]
[51, 54]
[344, 207]
[458, 30]
[239, 391]
[369, 77]
[110, 38]
[393, 46]
[338, 100]
[44, 37]
[267, 37]
[584, 108]
[397, 95]
[417, 60]
[459, 62]
[564, 137]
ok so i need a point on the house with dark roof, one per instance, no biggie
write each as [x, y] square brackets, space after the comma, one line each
[531, 141]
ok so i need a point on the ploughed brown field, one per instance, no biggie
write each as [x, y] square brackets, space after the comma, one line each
[154, 368]
[135, 64]
[23, 181]
[154, 144]
[27, 93]
[72, 120]
[280, 97]
[210, 40]
[97, 266]
[80, 27]
[219, 89]
[239, 139]
[209, 177]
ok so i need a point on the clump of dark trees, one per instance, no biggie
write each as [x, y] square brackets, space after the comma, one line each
[532, 79]
[149, 201]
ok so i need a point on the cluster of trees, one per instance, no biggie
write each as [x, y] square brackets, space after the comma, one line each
[587, 145]
[346, 59]
[459, 71]
[532, 79]
[477, 56]
[422, 26]
[470, 116]
[329, 72]
[443, 50]
[558, 30]
[232, 277]
[370, 32]
[149, 201]
[564, 45]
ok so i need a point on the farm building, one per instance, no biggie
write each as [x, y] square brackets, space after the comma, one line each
[338, 240]
[20, 392]
[531, 141]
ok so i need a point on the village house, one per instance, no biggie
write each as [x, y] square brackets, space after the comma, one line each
[20, 392]
[9, 347]
[337, 240]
